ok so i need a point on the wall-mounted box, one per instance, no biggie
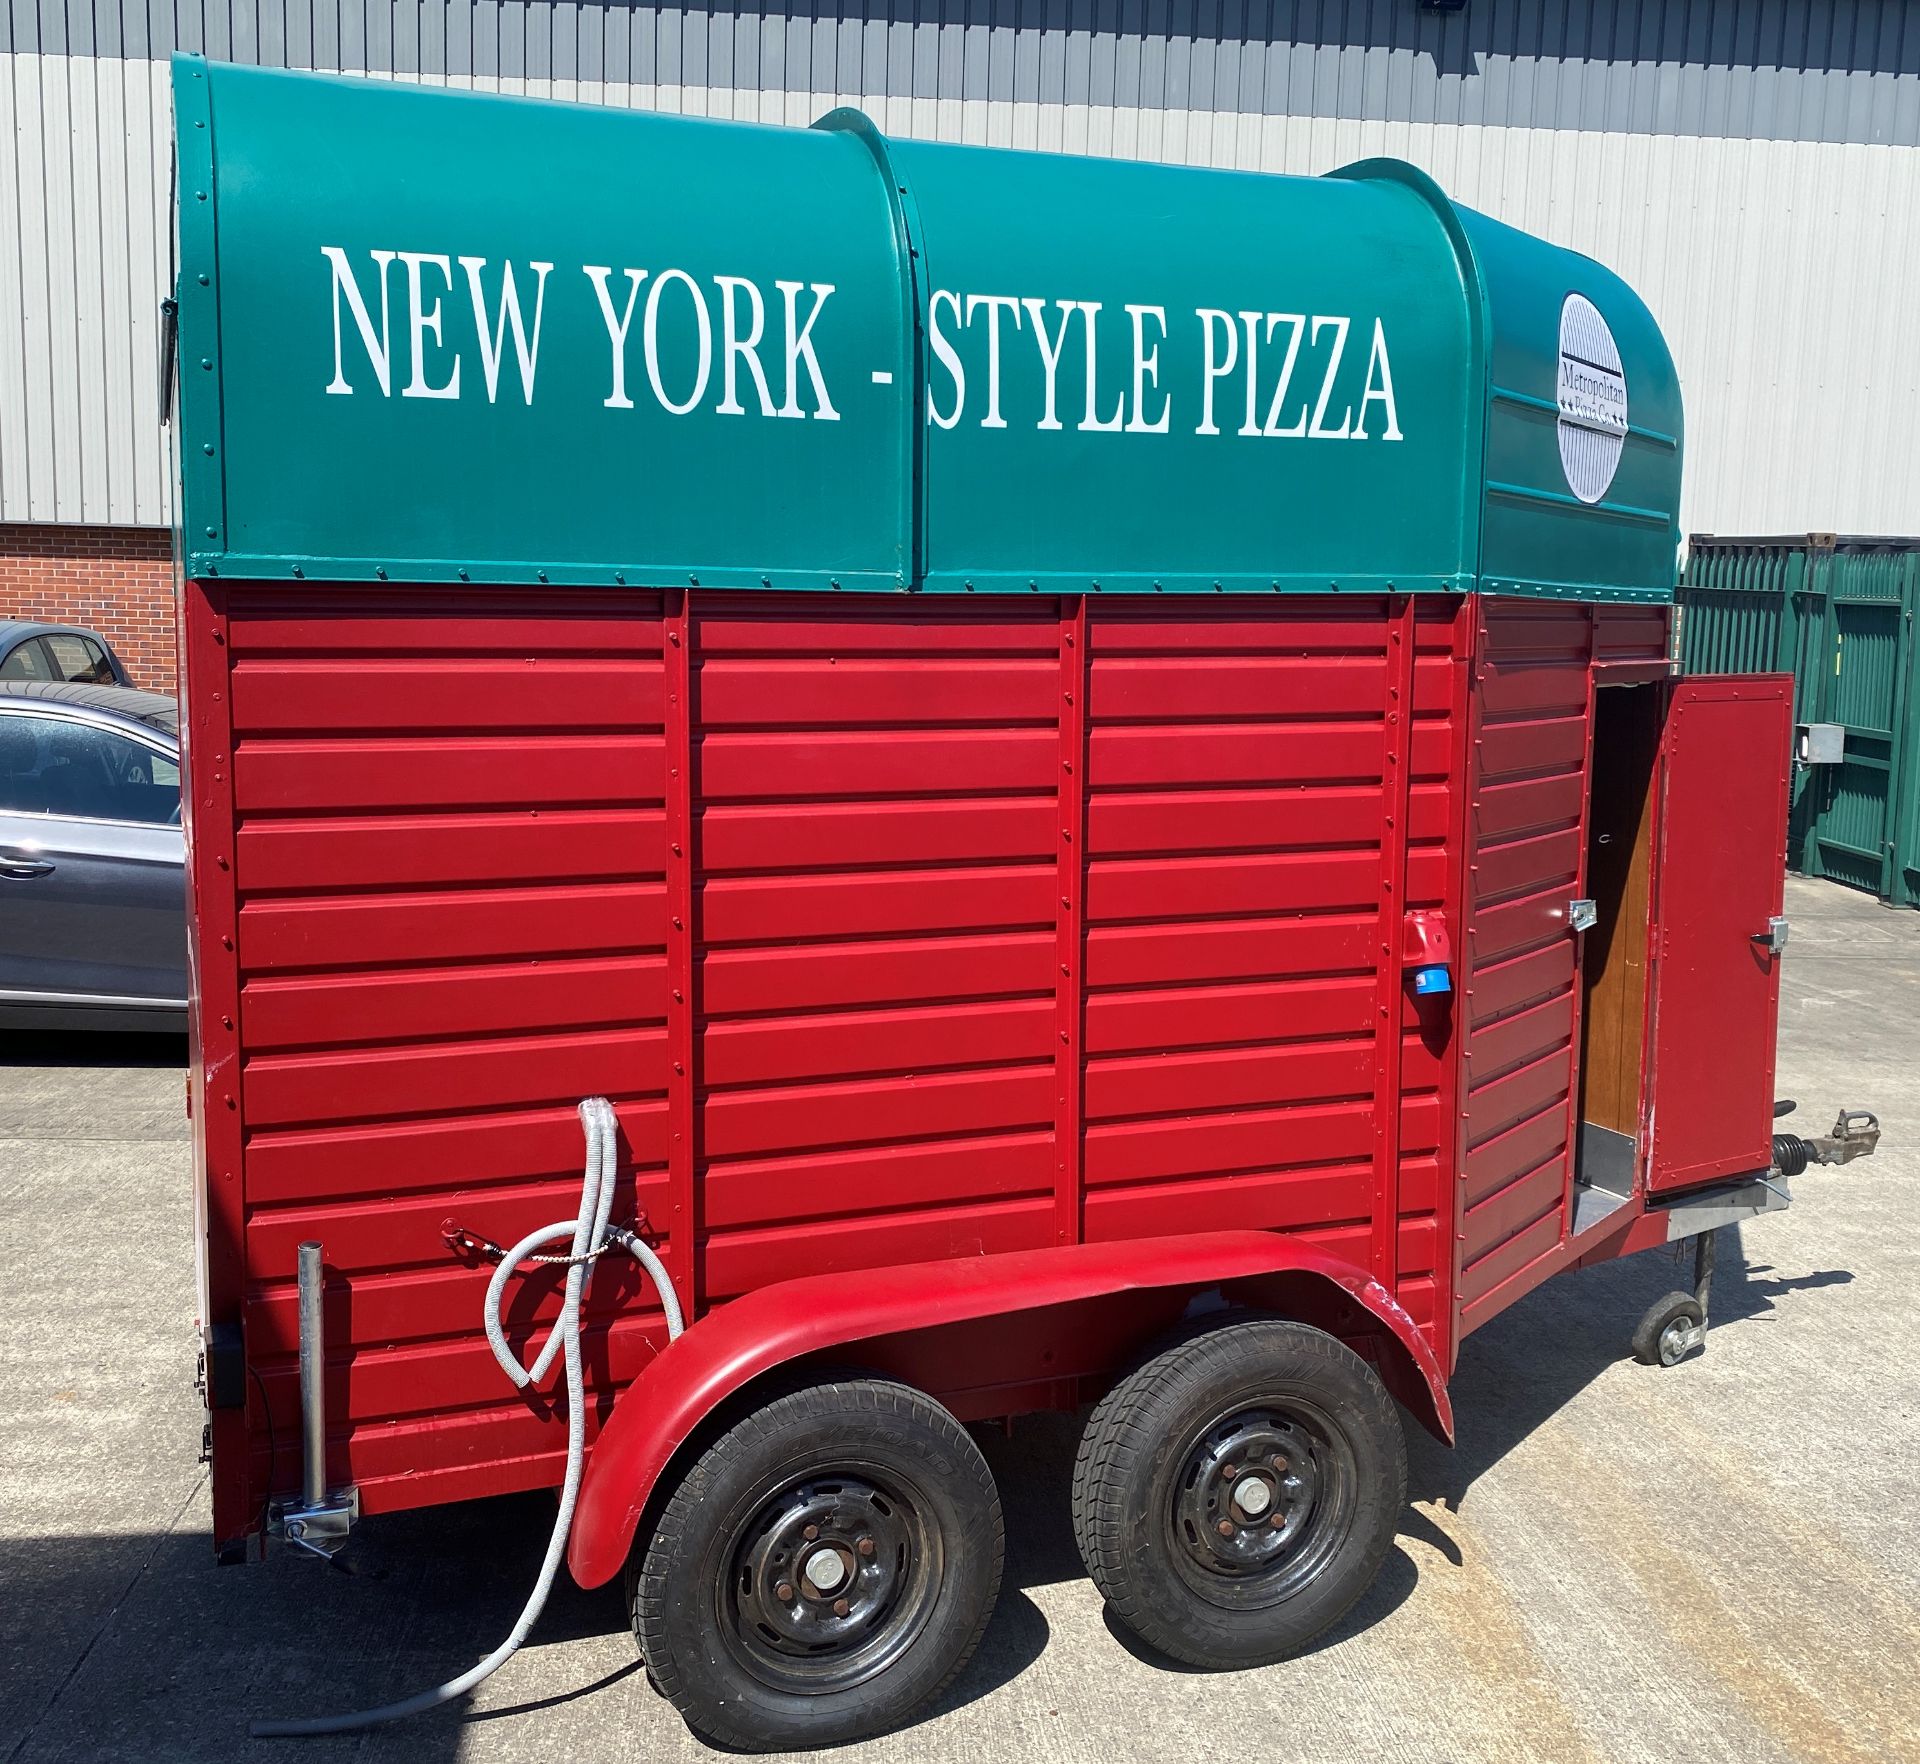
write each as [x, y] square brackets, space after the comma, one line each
[1822, 744]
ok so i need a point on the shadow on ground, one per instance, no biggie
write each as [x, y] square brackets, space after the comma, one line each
[1513, 1376]
[419, 1596]
[1534, 1358]
[90, 1047]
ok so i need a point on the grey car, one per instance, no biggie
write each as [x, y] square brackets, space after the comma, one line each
[31, 650]
[92, 860]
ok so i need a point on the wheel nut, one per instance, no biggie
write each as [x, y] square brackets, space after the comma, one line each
[841, 1607]
[1279, 1460]
[1230, 1471]
[1278, 1522]
[811, 1532]
[784, 1592]
[1225, 1528]
[865, 1546]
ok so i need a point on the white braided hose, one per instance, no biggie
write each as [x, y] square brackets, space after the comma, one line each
[588, 1231]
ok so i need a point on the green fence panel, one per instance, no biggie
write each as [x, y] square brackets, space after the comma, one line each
[1837, 613]
[1904, 790]
[1750, 606]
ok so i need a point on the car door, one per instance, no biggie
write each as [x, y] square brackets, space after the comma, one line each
[92, 877]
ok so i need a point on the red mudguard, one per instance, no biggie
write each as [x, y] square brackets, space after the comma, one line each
[788, 1321]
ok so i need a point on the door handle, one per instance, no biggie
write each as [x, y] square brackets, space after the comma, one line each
[1774, 937]
[23, 864]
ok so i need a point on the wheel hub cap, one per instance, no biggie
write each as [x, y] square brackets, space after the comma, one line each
[1675, 1340]
[830, 1581]
[1246, 1493]
[825, 1571]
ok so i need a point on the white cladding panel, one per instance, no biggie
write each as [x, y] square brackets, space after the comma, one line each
[85, 180]
[1783, 269]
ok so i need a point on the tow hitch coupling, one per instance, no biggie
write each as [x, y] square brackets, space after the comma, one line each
[1854, 1135]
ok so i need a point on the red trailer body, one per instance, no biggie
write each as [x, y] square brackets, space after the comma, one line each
[896, 932]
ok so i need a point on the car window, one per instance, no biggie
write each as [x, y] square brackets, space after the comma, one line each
[79, 658]
[50, 766]
[20, 787]
[26, 661]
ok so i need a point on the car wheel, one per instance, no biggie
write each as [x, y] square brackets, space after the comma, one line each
[823, 1570]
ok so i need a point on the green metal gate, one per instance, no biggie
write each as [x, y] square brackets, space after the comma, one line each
[1838, 614]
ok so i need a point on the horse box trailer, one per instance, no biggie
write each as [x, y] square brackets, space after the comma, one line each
[1083, 753]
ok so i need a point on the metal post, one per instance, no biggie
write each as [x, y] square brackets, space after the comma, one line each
[1703, 1242]
[313, 1373]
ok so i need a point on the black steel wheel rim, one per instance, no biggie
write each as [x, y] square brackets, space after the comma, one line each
[1260, 1502]
[831, 1579]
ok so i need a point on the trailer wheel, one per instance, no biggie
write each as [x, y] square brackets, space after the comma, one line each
[823, 1570]
[1234, 1495]
[1670, 1330]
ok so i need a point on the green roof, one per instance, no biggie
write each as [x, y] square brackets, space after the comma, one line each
[430, 335]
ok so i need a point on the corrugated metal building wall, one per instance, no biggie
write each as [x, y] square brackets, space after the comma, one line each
[1752, 166]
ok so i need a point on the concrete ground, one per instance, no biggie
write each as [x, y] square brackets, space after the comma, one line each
[1716, 1562]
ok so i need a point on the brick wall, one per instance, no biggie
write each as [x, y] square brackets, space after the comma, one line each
[114, 580]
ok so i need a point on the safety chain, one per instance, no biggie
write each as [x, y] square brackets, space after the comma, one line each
[464, 1242]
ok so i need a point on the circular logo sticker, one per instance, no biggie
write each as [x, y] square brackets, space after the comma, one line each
[1593, 400]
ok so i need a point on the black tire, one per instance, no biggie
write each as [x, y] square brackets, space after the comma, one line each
[1652, 1345]
[1275, 1402]
[902, 1507]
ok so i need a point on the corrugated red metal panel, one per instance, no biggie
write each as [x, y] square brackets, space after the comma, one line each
[1535, 669]
[1525, 831]
[1394, 884]
[214, 1027]
[1728, 775]
[807, 887]
[1235, 926]
[1632, 633]
[875, 834]
[449, 868]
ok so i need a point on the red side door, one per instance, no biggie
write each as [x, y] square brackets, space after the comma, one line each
[1722, 869]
